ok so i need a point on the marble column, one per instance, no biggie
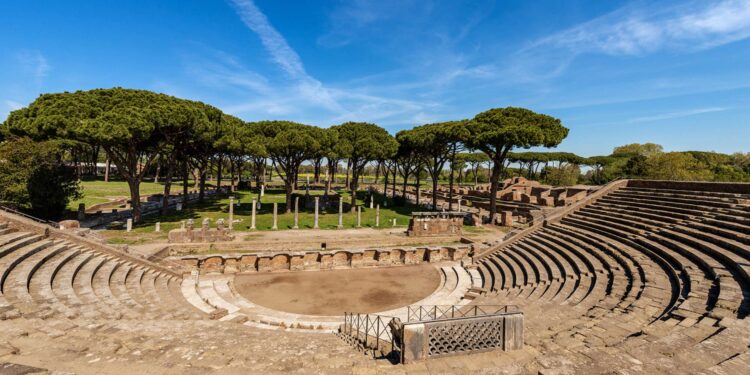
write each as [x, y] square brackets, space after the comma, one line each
[296, 213]
[359, 216]
[275, 216]
[341, 213]
[377, 215]
[317, 204]
[231, 213]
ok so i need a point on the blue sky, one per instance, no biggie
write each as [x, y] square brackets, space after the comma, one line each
[615, 72]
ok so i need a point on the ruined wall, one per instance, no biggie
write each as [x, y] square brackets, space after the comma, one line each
[321, 260]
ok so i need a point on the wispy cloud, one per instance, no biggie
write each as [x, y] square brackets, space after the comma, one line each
[639, 30]
[33, 63]
[303, 91]
[678, 114]
[283, 55]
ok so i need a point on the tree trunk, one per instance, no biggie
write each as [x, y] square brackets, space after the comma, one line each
[202, 185]
[348, 166]
[377, 173]
[494, 182]
[185, 183]
[403, 192]
[231, 174]
[419, 185]
[289, 187]
[156, 176]
[450, 189]
[219, 164]
[106, 171]
[331, 173]
[393, 184]
[167, 188]
[316, 169]
[385, 181]
[135, 199]
[353, 189]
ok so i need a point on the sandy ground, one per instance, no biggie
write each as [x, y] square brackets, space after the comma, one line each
[335, 292]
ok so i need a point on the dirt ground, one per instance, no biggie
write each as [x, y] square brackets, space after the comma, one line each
[334, 292]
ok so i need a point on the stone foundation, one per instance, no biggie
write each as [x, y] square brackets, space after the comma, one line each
[321, 260]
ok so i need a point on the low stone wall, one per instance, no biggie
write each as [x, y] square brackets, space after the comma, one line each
[322, 260]
[423, 340]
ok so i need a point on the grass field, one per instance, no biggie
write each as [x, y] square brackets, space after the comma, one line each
[95, 192]
[214, 209]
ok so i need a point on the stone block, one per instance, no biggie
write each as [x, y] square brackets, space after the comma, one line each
[248, 263]
[280, 262]
[312, 261]
[231, 265]
[297, 263]
[341, 259]
[212, 265]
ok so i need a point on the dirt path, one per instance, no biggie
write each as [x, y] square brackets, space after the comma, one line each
[335, 292]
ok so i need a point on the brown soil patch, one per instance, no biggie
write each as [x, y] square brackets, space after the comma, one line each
[335, 292]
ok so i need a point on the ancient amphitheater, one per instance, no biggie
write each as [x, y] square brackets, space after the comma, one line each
[639, 277]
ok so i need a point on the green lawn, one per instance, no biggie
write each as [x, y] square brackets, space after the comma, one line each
[219, 208]
[95, 192]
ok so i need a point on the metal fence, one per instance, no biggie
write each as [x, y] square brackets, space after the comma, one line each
[440, 312]
[372, 332]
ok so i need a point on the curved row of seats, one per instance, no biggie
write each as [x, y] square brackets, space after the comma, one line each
[633, 271]
[216, 292]
[45, 277]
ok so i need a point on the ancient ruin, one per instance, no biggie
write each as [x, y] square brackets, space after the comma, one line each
[607, 283]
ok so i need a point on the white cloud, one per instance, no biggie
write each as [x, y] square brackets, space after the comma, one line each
[671, 115]
[34, 64]
[636, 30]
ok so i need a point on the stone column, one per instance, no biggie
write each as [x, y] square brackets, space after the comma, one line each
[129, 225]
[377, 215]
[157, 228]
[231, 213]
[317, 203]
[372, 200]
[341, 213]
[296, 213]
[459, 203]
[262, 190]
[275, 216]
[252, 217]
[359, 216]
[394, 221]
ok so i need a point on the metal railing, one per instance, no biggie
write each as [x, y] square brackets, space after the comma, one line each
[372, 332]
[51, 223]
[441, 312]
